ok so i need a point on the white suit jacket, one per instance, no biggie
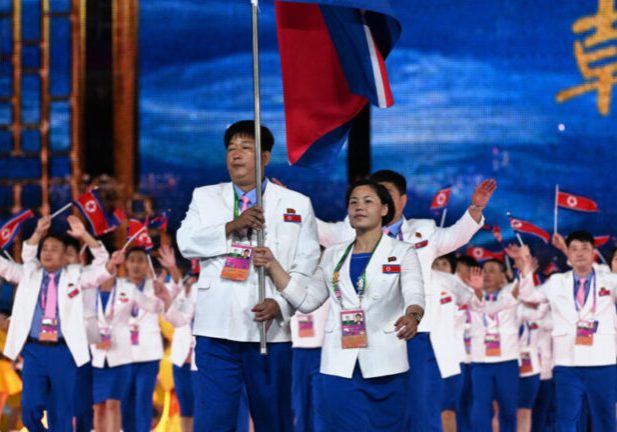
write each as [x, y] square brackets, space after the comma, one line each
[180, 314]
[319, 317]
[387, 296]
[223, 308]
[430, 242]
[126, 295]
[558, 290]
[504, 322]
[74, 279]
[530, 321]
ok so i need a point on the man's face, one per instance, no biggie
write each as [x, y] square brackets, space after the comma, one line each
[52, 254]
[580, 254]
[400, 201]
[443, 265]
[241, 159]
[494, 278]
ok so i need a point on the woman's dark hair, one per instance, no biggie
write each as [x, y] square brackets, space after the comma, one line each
[382, 194]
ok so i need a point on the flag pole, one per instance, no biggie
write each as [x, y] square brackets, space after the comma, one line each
[443, 217]
[133, 237]
[261, 275]
[520, 240]
[601, 256]
[8, 255]
[57, 212]
[556, 209]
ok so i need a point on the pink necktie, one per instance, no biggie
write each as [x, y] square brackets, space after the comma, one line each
[52, 297]
[580, 293]
[245, 203]
[386, 231]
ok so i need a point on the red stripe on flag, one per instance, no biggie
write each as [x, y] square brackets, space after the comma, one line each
[576, 202]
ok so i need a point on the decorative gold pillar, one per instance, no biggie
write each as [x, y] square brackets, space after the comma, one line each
[124, 69]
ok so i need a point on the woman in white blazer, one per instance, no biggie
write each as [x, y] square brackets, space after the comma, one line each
[377, 301]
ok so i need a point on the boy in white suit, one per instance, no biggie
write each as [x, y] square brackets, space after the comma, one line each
[219, 228]
[47, 326]
[582, 303]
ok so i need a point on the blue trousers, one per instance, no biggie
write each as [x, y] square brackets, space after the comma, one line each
[574, 386]
[424, 413]
[184, 389]
[84, 415]
[49, 374]
[542, 415]
[364, 404]
[451, 390]
[137, 409]
[463, 409]
[304, 387]
[225, 367]
[499, 381]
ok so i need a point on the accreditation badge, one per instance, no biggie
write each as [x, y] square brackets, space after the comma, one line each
[525, 366]
[306, 326]
[49, 330]
[492, 345]
[585, 330]
[238, 263]
[353, 329]
[104, 342]
[134, 334]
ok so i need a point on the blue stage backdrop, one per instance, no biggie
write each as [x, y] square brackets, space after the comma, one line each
[476, 87]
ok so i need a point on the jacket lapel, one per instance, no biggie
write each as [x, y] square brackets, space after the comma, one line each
[271, 205]
[228, 198]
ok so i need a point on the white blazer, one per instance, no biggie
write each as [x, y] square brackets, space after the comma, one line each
[387, 296]
[504, 322]
[150, 345]
[74, 280]
[545, 347]
[120, 303]
[530, 320]
[180, 314]
[223, 308]
[319, 318]
[450, 293]
[558, 290]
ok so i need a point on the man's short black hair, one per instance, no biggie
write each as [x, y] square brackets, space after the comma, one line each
[247, 128]
[393, 177]
[467, 260]
[382, 193]
[582, 236]
[502, 266]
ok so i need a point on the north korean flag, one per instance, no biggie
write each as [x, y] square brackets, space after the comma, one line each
[441, 198]
[601, 240]
[92, 208]
[159, 222]
[332, 60]
[482, 254]
[141, 229]
[576, 202]
[11, 227]
[528, 228]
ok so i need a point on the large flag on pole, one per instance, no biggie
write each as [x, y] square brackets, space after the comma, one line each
[9, 230]
[332, 59]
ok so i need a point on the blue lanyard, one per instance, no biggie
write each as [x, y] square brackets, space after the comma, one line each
[135, 308]
[112, 299]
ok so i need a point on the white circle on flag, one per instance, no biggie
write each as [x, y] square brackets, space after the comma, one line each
[477, 252]
[143, 238]
[441, 198]
[90, 206]
[6, 233]
[516, 224]
[572, 201]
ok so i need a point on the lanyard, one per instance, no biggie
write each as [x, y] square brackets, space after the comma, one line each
[595, 297]
[496, 315]
[236, 204]
[361, 282]
[135, 308]
[46, 287]
[99, 302]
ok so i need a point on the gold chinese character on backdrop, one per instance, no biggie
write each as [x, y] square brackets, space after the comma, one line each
[596, 59]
